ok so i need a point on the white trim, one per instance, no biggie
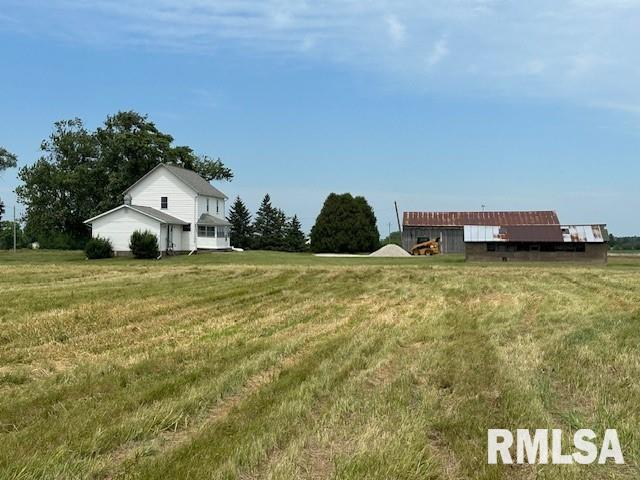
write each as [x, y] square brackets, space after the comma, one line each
[224, 196]
[146, 175]
[132, 208]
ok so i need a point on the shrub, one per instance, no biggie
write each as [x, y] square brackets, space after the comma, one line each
[346, 224]
[144, 244]
[98, 248]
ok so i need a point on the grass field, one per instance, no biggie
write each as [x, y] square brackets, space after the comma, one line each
[283, 366]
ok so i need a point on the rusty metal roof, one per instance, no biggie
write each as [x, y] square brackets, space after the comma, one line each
[460, 219]
[536, 233]
[512, 233]
[585, 233]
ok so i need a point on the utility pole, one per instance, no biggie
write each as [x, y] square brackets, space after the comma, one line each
[398, 217]
[389, 237]
[14, 228]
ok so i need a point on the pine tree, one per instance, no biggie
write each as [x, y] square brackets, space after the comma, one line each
[263, 224]
[279, 230]
[295, 240]
[240, 220]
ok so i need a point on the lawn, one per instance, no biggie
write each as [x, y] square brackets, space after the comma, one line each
[282, 366]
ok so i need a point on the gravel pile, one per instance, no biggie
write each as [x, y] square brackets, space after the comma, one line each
[391, 250]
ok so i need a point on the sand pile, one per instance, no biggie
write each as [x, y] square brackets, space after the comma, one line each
[391, 250]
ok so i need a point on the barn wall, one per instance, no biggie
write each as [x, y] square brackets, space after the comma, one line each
[451, 239]
[594, 253]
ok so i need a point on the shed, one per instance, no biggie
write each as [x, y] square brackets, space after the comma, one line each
[583, 243]
[448, 226]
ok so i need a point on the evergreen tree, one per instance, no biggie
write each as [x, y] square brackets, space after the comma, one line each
[279, 230]
[346, 224]
[240, 220]
[295, 240]
[263, 224]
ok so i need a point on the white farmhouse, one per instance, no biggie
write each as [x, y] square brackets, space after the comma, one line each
[180, 207]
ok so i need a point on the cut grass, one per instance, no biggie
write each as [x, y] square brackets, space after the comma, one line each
[269, 365]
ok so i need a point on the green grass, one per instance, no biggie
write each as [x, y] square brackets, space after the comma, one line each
[281, 366]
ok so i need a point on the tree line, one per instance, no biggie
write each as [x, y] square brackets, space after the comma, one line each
[82, 173]
[270, 230]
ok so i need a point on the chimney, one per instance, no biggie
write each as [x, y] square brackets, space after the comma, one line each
[127, 199]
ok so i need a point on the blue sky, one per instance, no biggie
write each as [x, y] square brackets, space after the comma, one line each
[440, 105]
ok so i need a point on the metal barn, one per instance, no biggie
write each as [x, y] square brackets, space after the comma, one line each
[449, 226]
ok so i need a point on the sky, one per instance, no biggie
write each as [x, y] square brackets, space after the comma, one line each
[436, 104]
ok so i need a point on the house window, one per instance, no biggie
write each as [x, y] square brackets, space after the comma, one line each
[186, 228]
[164, 202]
[207, 205]
[217, 206]
[206, 231]
[222, 232]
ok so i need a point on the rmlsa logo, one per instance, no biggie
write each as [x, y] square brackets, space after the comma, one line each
[535, 449]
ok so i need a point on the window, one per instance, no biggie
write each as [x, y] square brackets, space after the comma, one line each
[186, 228]
[164, 202]
[222, 232]
[217, 206]
[207, 205]
[206, 231]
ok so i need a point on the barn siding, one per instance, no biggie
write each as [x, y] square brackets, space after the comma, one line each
[451, 239]
[594, 253]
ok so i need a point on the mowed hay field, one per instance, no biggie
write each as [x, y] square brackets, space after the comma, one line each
[284, 366]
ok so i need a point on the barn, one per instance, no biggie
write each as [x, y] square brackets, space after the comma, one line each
[449, 226]
[561, 243]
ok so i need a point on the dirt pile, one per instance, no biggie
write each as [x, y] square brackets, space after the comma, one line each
[391, 250]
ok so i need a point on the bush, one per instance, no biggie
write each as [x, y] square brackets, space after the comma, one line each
[98, 248]
[346, 224]
[144, 244]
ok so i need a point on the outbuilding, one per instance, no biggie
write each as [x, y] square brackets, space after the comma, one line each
[448, 227]
[560, 243]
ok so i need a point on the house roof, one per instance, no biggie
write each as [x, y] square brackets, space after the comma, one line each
[148, 211]
[460, 219]
[536, 233]
[206, 219]
[189, 178]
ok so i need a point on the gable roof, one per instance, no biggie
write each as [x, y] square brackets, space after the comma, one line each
[190, 178]
[148, 211]
[460, 219]
[206, 219]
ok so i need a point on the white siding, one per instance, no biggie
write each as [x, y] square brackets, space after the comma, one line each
[216, 206]
[119, 225]
[180, 198]
[213, 243]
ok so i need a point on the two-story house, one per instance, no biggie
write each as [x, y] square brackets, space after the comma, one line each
[180, 207]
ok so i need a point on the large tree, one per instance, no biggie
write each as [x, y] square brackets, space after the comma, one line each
[82, 173]
[240, 220]
[346, 224]
[7, 160]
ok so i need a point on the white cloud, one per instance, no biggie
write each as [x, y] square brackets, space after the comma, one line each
[582, 51]
[397, 30]
[438, 52]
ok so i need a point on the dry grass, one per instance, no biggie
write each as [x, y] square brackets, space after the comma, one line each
[284, 366]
